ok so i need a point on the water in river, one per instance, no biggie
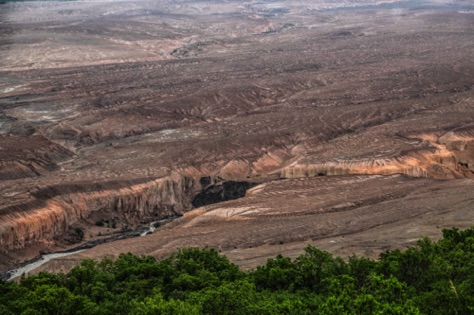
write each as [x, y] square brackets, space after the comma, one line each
[142, 231]
[32, 266]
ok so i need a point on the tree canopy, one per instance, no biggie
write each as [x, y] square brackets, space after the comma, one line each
[429, 278]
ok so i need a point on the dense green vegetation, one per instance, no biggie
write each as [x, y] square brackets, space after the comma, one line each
[430, 278]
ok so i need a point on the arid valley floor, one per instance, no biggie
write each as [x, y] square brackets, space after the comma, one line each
[349, 124]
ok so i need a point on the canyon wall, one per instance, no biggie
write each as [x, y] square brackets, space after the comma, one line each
[55, 208]
[58, 207]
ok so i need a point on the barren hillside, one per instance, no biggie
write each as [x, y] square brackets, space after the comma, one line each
[351, 124]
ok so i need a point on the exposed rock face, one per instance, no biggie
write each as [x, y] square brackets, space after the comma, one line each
[61, 206]
[462, 145]
[142, 200]
[353, 214]
[440, 164]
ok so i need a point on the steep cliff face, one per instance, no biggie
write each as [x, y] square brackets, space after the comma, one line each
[382, 167]
[423, 165]
[462, 146]
[21, 226]
[449, 156]
[54, 209]
[58, 207]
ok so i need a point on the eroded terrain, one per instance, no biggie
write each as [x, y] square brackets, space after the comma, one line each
[354, 121]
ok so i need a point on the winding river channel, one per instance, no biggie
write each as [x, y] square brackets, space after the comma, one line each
[41, 260]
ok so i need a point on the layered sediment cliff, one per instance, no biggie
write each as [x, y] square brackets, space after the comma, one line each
[53, 209]
[447, 157]
[58, 207]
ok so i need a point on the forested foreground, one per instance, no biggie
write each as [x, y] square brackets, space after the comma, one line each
[430, 278]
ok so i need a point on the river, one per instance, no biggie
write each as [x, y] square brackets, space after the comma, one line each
[30, 266]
